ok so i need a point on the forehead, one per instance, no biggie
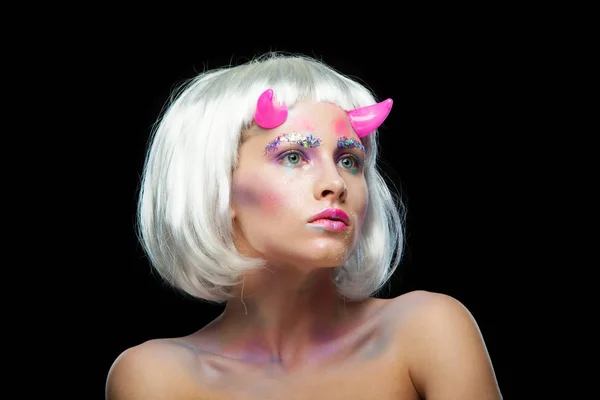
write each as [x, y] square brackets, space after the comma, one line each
[320, 118]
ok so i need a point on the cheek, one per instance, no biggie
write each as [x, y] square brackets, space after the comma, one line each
[257, 195]
[363, 212]
[270, 200]
[363, 204]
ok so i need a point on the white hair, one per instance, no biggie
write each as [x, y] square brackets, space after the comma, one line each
[184, 219]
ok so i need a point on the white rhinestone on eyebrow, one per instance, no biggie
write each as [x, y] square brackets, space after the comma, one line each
[294, 137]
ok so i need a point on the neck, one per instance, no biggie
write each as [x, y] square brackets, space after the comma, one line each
[280, 317]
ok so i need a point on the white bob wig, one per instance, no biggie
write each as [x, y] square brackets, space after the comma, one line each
[184, 220]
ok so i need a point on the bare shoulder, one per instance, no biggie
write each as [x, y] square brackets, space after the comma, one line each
[413, 309]
[445, 351]
[421, 303]
[151, 370]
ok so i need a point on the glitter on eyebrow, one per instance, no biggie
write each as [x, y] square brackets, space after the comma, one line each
[349, 143]
[294, 138]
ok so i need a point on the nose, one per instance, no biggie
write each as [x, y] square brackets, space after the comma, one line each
[331, 185]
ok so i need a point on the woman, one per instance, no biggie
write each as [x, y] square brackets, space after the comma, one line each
[260, 190]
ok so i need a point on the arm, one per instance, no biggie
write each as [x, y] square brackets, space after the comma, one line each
[448, 357]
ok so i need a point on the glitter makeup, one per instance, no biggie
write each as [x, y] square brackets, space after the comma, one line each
[341, 127]
[293, 138]
[350, 143]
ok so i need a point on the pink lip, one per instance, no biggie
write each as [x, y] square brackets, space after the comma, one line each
[330, 224]
[332, 215]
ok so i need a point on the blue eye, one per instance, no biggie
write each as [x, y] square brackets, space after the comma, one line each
[350, 162]
[291, 158]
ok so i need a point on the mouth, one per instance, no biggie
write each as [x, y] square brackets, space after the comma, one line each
[329, 225]
[331, 219]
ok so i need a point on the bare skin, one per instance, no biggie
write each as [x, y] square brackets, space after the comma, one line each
[288, 333]
[420, 345]
[293, 304]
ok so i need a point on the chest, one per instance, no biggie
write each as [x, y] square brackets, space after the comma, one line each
[368, 365]
[376, 380]
[372, 368]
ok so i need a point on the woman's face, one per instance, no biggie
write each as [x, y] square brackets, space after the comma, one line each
[286, 176]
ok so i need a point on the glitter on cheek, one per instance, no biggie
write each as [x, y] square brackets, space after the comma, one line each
[341, 127]
[343, 254]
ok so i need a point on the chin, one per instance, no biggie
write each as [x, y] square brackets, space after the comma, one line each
[327, 253]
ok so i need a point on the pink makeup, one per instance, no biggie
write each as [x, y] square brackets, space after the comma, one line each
[330, 225]
[270, 114]
[250, 195]
[341, 127]
[332, 219]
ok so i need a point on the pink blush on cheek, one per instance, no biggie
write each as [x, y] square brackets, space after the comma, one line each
[269, 200]
[341, 127]
[247, 196]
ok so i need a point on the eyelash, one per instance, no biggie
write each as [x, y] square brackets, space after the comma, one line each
[357, 160]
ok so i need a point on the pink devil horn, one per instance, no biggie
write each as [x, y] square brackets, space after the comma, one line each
[269, 115]
[365, 120]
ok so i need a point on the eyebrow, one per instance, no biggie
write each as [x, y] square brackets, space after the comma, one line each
[293, 138]
[350, 143]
